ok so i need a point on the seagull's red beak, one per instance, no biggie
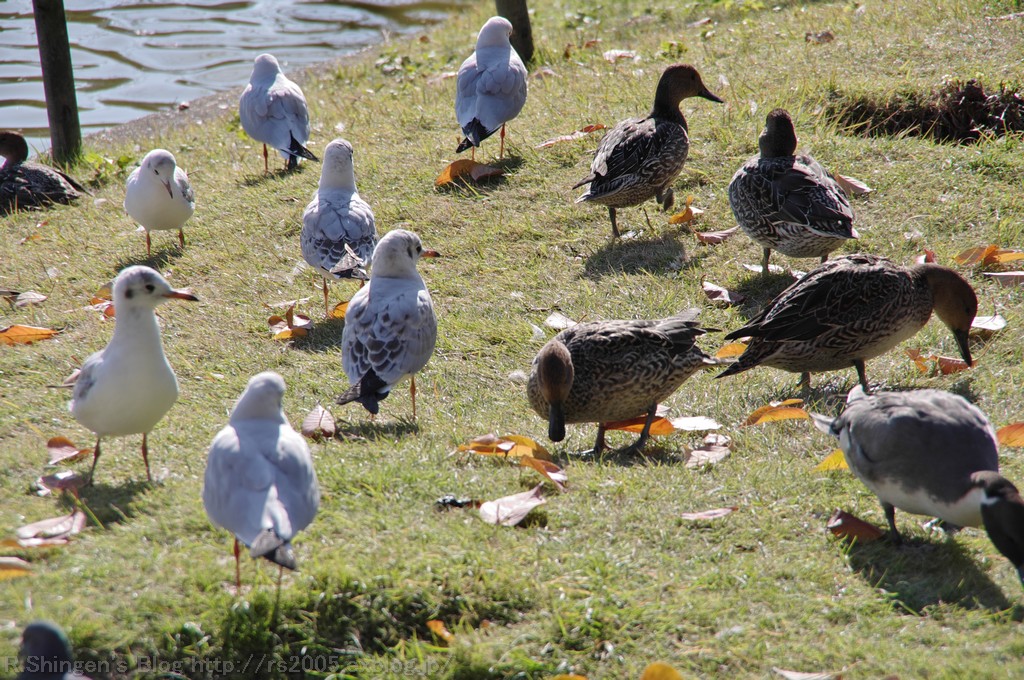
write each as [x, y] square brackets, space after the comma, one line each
[427, 252]
[182, 295]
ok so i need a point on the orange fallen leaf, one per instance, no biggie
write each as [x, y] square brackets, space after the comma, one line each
[688, 214]
[438, 628]
[836, 460]
[63, 450]
[548, 469]
[582, 132]
[25, 335]
[31, 237]
[569, 676]
[660, 426]
[465, 167]
[660, 671]
[13, 567]
[777, 410]
[732, 349]
[715, 237]
[508, 446]
[511, 510]
[933, 363]
[721, 296]
[709, 514]
[1011, 435]
[318, 423]
[846, 526]
[339, 310]
[990, 254]
[852, 185]
[291, 325]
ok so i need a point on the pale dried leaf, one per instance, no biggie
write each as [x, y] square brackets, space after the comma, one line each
[721, 296]
[613, 56]
[1007, 279]
[318, 423]
[694, 423]
[852, 185]
[797, 675]
[54, 527]
[558, 321]
[772, 268]
[709, 514]
[715, 237]
[582, 132]
[29, 297]
[986, 326]
[13, 567]
[65, 480]
[511, 510]
[556, 474]
[63, 450]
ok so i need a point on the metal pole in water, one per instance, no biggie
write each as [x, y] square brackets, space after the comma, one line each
[58, 80]
[522, 35]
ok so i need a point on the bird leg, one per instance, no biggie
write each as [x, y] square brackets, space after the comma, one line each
[615, 227]
[501, 153]
[824, 258]
[412, 393]
[145, 457]
[640, 443]
[472, 153]
[805, 382]
[890, 517]
[181, 239]
[149, 249]
[648, 218]
[859, 365]
[764, 261]
[95, 457]
[327, 306]
[599, 443]
[238, 568]
[266, 162]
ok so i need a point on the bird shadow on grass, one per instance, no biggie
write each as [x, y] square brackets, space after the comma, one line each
[663, 254]
[112, 504]
[157, 260]
[923, 573]
[325, 335]
[622, 456]
[370, 430]
[261, 178]
[759, 290]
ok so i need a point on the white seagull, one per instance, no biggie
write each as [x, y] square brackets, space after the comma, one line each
[273, 111]
[491, 87]
[128, 386]
[390, 327]
[260, 484]
[158, 195]
[338, 231]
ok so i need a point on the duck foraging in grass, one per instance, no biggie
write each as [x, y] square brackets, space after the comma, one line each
[851, 309]
[788, 202]
[491, 86]
[605, 371]
[30, 186]
[930, 452]
[639, 158]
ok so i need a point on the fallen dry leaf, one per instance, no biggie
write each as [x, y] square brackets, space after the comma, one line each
[836, 460]
[511, 510]
[63, 450]
[1011, 435]
[29, 297]
[441, 77]
[465, 167]
[721, 296]
[508, 446]
[438, 628]
[548, 469]
[772, 268]
[694, 423]
[1007, 279]
[732, 349]
[54, 527]
[660, 426]
[709, 514]
[987, 326]
[660, 671]
[318, 423]
[852, 185]
[25, 335]
[715, 237]
[846, 526]
[582, 132]
[65, 480]
[289, 326]
[13, 567]
[819, 38]
[714, 449]
[932, 364]
[613, 56]
[688, 214]
[339, 310]
[542, 73]
[797, 675]
[987, 255]
[558, 321]
[568, 676]
[777, 410]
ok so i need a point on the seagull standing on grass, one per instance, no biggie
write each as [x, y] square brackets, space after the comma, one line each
[260, 484]
[930, 452]
[273, 111]
[491, 86]
[46, 654]
[338, 230]
[390, 327]
[128, 386]
[158, 195]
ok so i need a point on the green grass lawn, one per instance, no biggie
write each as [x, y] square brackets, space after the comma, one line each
[607, 577]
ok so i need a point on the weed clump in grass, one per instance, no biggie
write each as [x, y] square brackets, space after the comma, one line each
[957, 112]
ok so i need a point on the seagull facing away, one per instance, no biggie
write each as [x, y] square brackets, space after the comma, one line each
[273, 111]
[260, 483]
[29, 186]
[639, 158]
[158, 195]
[491, 86]
[604, 371]
[390, 327]
[46, 653]
[930, 452]
[787, 201]
[338, 230]
[128, 386]
[851, 309]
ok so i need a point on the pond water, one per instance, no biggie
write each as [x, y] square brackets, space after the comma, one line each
[133, 57]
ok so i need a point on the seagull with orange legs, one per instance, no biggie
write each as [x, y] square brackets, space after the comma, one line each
[273, 110]
[390, 327]
[128, 386]
[491, 86]
[158, 195]
[260, 483]
[338, 230]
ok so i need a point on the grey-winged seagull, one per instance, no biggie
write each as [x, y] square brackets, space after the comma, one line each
[338, 231]
[390, 327]
[273, 110]
[128, 386]
[158, 195]
[260, 483]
